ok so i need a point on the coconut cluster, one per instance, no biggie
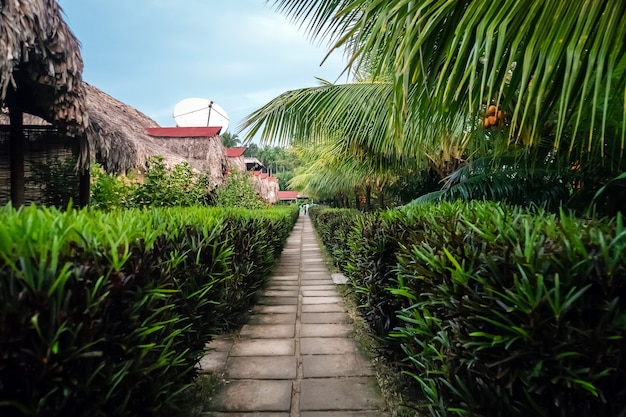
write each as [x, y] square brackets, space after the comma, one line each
[493, 117]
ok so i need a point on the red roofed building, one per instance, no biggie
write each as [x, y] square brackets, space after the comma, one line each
[288, 195]
[183, 132]
[235, 152]
[235, 159]
[201, 146]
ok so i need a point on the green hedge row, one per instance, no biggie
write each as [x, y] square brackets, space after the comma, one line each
[494, 310]
[109, 313]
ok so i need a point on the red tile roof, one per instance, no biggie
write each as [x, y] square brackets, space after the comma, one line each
[287, 195]
[183, 132]
[235, 152]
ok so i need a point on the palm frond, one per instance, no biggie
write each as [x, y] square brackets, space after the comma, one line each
[541, 60]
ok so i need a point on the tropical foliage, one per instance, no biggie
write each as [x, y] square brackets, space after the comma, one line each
[230, 140]
[237, 191]
[491, 310]
[109, 313]
[442, 83]
[159, 187]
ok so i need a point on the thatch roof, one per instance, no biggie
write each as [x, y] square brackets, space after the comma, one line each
[118, 139]
[117, 135]
[40, 64]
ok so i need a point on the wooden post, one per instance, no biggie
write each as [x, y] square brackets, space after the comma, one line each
[16, 156]
[84, 182]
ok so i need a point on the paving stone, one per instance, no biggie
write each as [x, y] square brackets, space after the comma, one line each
[213, 361]
[326, 345]
[329, 286]
[321, 300]
[317, 259]
[292, 277]
[317, 272]
[289, 318]
[268, 331]
[280, 293]
[335, 394]
[252, 414]
[291, 286]
[255, 395]
[307, 318]
[265, 309]
[326, 330]
[273, 301]
[317, 293]
[221, 343]
[360, 413]
[323, 308]
[263, 347]
[263, 367]
[304, 283]
[317, 366]
[339, 278]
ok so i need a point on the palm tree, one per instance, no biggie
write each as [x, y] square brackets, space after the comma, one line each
[229, 140]
[336, 170]
[555, 72]
[546, 62]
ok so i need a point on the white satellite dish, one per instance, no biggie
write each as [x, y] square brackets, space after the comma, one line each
[195, 112]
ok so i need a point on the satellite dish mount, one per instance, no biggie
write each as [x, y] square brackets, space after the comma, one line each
[196, 112]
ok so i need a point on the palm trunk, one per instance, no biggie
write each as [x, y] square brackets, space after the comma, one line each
[16, 154]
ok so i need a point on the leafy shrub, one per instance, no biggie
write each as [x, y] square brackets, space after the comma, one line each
[500, 310]
[516, 313]
[334, 227]
[109, 313]
[163, 188]
[57, 179]
[108, 191]
[364, 247]
[237, 191]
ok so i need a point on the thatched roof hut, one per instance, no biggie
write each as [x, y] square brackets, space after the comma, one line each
[119, 138]
[117, 134]
[200, 146]
[266, 186]
[236, 159]
[40, 74]
[40, 64]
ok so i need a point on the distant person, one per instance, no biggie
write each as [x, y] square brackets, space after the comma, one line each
[306, 209]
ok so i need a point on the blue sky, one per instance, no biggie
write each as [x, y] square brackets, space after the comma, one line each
[150, 54]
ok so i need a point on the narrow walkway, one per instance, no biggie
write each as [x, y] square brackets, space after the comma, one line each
[296, 357]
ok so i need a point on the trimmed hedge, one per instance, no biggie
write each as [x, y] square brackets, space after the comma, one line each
[497, 310]
[109, 313]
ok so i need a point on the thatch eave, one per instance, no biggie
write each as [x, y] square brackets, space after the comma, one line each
[40, 65]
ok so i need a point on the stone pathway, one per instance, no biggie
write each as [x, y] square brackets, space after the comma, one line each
[296, 356]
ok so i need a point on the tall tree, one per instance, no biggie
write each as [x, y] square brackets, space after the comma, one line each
[230, 140]
[551, 75]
